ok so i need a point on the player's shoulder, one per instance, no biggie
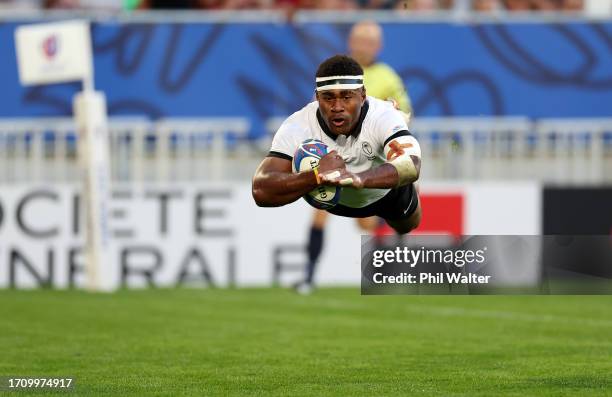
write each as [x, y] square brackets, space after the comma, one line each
[300, 120]
[294, 129]
[383, 118]
[379, 108]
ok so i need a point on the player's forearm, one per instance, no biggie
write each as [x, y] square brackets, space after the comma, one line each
[385, 176]
[381, 177]
[274, 189]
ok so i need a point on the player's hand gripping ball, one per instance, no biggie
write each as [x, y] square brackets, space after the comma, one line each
[306, 158]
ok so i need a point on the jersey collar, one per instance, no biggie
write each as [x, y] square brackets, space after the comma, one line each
[356, 130]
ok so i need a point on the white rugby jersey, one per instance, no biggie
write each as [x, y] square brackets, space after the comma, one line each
[364, 149]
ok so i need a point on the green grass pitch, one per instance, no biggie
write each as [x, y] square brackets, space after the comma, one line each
[191, 342]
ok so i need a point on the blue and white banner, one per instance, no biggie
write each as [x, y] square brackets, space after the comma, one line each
[261, 70]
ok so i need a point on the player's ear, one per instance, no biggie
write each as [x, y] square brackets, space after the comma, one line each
[363, 93]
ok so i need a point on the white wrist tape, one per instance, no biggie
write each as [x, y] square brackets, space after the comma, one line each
[398, 152]
[405, 169]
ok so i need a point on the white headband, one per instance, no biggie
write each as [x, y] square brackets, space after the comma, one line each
[339, 82]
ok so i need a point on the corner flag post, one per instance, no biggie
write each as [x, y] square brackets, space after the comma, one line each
[61, 52]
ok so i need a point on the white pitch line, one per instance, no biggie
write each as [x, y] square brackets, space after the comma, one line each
[506, 315]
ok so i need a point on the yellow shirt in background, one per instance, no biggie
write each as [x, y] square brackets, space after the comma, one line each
[382, 82]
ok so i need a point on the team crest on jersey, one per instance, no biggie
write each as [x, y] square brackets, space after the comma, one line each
[368, 151]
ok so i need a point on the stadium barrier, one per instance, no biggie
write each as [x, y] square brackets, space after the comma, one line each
[551, 150]
[181, 210]
[213, 234]
[45, 149]
[570, 151]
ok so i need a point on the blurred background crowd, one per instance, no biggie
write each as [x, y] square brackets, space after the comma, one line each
[590, 6]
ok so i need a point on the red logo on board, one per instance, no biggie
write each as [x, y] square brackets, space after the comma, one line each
[443, 213]
[50, 46]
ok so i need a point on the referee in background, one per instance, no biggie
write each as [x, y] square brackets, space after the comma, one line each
[380, 81]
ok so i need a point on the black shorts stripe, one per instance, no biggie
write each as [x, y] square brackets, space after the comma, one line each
[397, 135]
[399, 203]
[280, 155]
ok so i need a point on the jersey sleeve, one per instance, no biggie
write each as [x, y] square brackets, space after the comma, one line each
[285, 140]
[394, 137]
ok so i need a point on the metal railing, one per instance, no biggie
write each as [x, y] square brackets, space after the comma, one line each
[551, 150]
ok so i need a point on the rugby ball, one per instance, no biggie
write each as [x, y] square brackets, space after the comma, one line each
[306, 158]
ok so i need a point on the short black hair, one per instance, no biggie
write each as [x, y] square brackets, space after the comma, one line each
[339, 65]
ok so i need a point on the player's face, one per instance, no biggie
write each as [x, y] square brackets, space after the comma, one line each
[341, 109]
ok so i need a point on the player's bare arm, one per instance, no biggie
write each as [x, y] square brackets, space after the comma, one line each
[274, 183]
[384, 176]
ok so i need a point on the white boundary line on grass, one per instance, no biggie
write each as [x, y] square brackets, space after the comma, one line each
[505, 315]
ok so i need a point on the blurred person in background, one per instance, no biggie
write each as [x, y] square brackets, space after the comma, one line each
[418, 5]
[335, 5]
[376, 4]
[486, 5]
[247, 4]
[381, 81]
[446, 4]
[160, 4]
[517, 5]
[209, 4]
[572, 5]
[180, 4]
[544, 5]
[91, 5]
[202, 4]
[60, 4]
[20, 5]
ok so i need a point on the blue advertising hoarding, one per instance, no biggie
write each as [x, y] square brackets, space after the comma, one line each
[260, 70]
